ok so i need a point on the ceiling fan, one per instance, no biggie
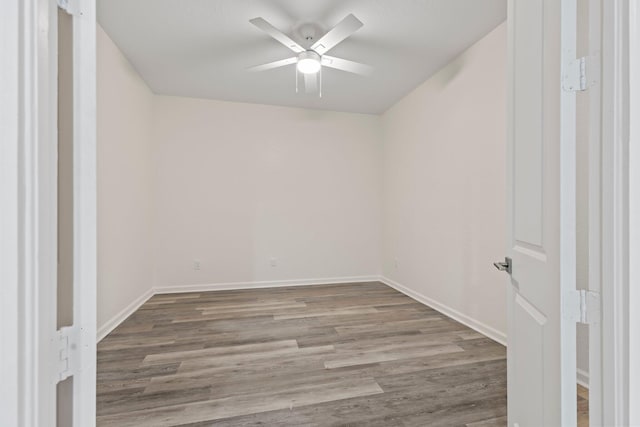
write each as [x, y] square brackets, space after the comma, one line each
[310, 61]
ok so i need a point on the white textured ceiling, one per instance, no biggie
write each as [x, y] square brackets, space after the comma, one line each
[202, 48]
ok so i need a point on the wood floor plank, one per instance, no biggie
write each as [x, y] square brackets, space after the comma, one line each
[326, 312]
[265, 359]
[213, 409]
[385, 355]
[347, 354]
[583, 406]
[213, 352]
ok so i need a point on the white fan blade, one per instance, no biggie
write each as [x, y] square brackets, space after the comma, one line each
[311, 83]
[346, 65]
[274, 64]
[277, 34]
[344, 29]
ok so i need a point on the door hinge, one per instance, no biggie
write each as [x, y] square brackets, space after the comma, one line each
[72, 7]
[582, 306]
[578, 75]
[67, 346]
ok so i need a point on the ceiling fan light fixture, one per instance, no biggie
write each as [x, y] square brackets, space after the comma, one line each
[308, 62]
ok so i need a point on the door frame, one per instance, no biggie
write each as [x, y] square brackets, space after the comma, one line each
[28, 212]
[616, 221]
[26, 234]
[85, 238]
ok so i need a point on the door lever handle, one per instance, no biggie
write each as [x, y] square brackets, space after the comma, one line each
[504, 266]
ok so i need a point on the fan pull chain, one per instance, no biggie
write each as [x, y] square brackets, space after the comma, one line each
[320, 92]
[296, 79]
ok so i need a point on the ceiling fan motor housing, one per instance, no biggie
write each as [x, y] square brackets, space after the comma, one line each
[308, 32]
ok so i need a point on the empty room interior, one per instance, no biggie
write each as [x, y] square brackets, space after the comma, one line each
[299, 207]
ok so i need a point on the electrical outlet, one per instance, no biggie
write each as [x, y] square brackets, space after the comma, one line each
[273, 262]
[196, 264]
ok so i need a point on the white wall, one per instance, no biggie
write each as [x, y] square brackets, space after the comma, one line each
[444, 185]
[124, 182]
[239, 184]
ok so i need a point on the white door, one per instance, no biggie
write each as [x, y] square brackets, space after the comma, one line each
[541, 218]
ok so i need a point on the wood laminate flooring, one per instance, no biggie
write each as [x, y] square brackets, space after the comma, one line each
[348, 354]
[583, 406]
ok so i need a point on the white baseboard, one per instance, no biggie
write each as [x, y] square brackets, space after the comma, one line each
[263, 284]
[583, 378]
[109, 326]
[474, 324]
[116, 320]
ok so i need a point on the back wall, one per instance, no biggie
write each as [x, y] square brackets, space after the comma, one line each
[254, 193]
